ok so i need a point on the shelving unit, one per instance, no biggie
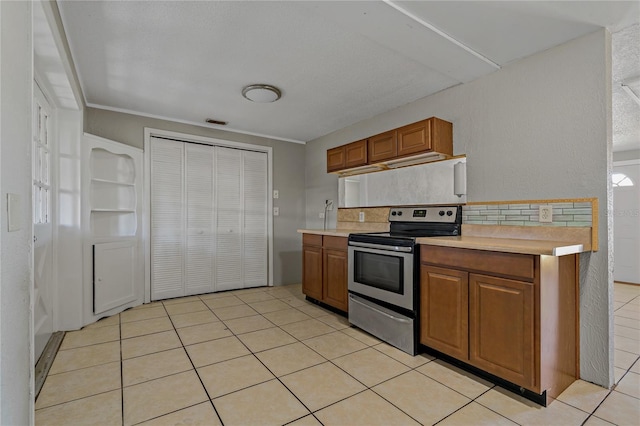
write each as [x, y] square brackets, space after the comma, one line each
[112, 225]
[112, 194]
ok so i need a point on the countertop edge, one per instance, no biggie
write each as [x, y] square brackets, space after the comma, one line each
[504, 245]
[517, 246]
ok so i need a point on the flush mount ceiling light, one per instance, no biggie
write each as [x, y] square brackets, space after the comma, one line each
[261, 93]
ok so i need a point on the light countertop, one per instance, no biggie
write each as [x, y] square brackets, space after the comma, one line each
[336, 232]
[506, 245]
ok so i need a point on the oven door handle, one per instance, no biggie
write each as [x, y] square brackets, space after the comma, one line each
[381, 247]
[354, 300]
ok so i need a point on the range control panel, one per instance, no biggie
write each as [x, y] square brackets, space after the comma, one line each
[438, 214]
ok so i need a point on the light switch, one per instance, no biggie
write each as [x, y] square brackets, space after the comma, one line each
[14, 216]
[276, 211]
[276, 193]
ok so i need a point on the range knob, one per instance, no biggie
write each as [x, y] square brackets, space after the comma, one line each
[393, 213]
[400, 213]
[441, 212]
[449, 213]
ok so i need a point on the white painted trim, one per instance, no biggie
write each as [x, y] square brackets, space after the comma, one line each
[61, 42]
[442, 34]
[626, 162]
[193, 123]
[146, 225]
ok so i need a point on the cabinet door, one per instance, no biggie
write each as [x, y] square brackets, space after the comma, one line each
[382, 147]
[199, 167]
[501, 329]
[444, 310]
[335, 159]
[312, 271]
[167, 219]
[356, 154]
[255, 241]
[228, 205]
[114, 275]
[334, 290]
[414, 138]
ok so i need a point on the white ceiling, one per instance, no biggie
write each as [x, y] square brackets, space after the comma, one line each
[336, 63]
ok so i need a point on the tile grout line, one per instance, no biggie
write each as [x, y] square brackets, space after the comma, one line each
[195, 370]
[121, 370]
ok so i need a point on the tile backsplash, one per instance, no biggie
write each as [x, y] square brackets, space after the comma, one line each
[569, 213]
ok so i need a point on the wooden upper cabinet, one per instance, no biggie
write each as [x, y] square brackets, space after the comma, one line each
[355, 154]
[336, 159]
[347, 156]
[428, 135]
[383, 147]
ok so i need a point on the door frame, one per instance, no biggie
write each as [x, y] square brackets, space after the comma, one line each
[146, 205]
[42, 95]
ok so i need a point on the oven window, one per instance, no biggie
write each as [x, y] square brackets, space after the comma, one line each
[378, 270]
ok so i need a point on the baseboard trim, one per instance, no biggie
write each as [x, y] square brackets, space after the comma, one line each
[46, 359]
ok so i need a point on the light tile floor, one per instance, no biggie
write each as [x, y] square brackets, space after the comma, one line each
[266, 356]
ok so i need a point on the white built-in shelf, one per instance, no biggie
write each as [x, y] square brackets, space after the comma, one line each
[113, 210]
[113, 182]
[113, 194]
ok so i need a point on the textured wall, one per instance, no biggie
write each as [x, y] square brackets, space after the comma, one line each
[288, 177]
[16, 330]
[539, 128]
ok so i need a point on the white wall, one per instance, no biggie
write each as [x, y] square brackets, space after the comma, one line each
[16, 329]
[288, 177]
[68, 300]
[539, 128]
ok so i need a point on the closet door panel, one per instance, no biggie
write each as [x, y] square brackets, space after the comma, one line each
[228, 206]
[254, 262]
[167, 219]
[199, 170]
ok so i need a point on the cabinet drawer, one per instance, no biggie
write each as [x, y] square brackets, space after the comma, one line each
[336, 243]
[495, 263]
[312, 240]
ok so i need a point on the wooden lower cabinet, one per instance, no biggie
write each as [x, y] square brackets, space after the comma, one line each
[334, 278]
[324, 269]
[312, 271]
[501, 336]
[444, 310]
[514, 316]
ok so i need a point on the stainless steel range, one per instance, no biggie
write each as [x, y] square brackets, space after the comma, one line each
[384, 272]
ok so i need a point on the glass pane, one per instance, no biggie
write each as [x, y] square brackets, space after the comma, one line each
[45, 206]
[37, 203]
[44, 177]
[380, 271]
[45, 132]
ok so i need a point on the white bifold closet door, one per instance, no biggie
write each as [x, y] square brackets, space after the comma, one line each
[208, 219]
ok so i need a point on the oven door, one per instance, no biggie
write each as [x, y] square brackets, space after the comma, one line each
[384, 273]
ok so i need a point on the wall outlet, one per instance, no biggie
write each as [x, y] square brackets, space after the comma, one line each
[321, 215]
[545, 214]
[361, 216]
[276, 211]
[329, 204]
